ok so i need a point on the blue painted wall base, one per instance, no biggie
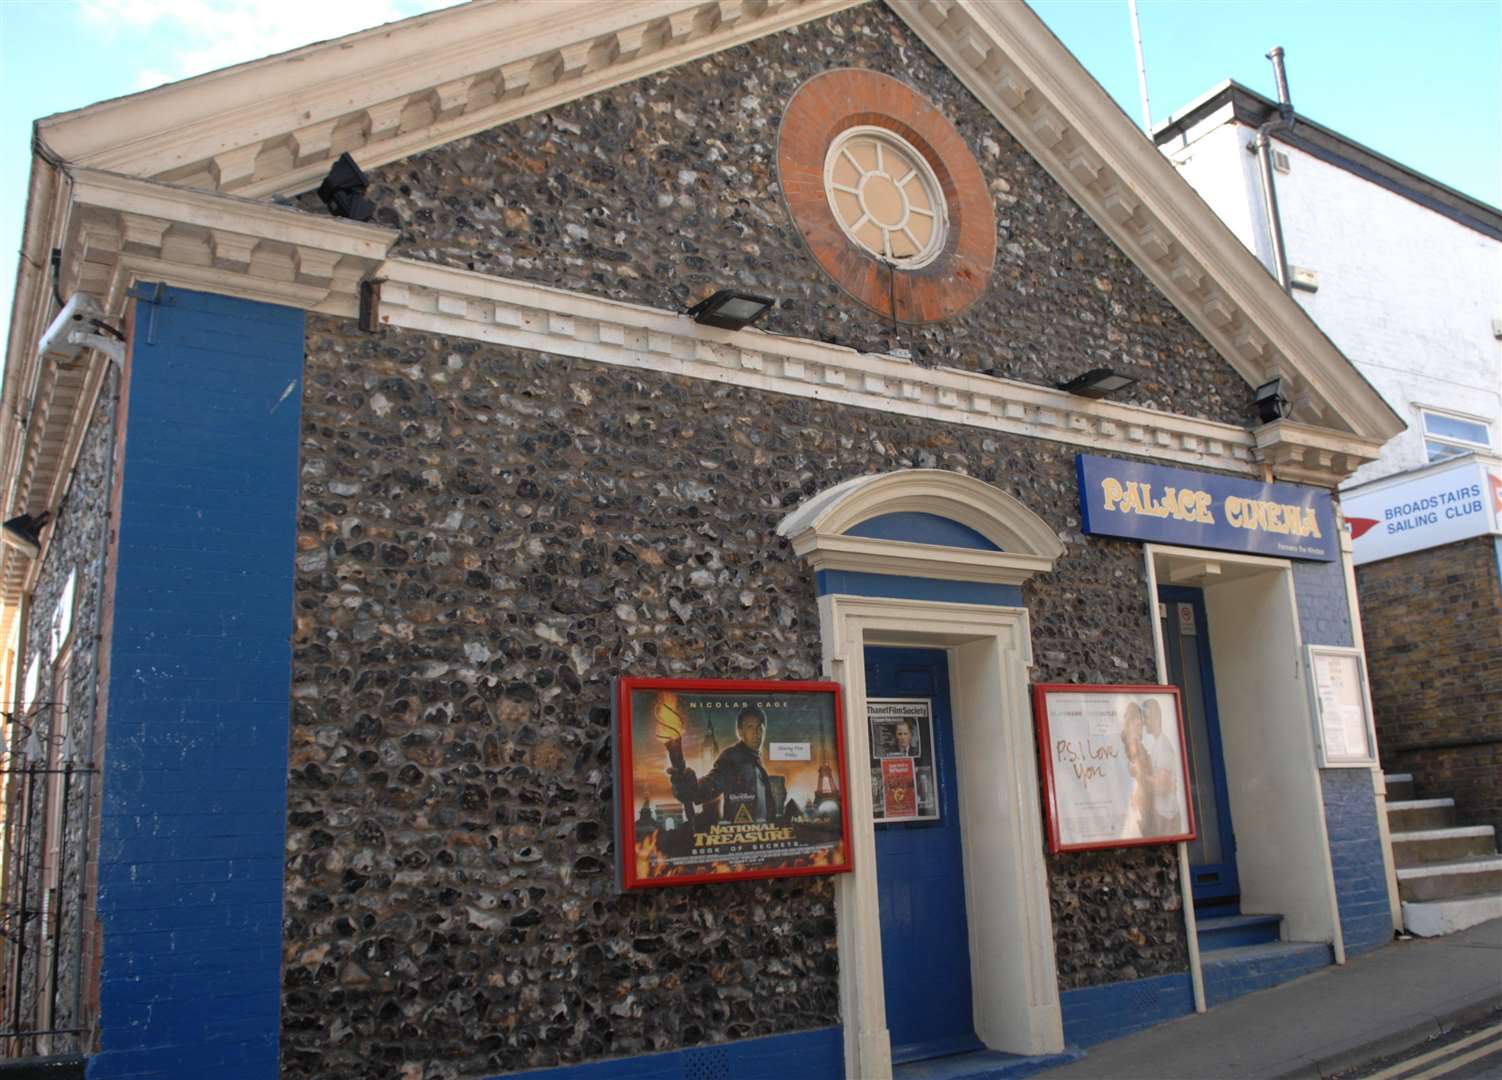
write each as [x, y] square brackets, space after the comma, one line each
[805, 1055]
[1098, 1013]
[1229, 975]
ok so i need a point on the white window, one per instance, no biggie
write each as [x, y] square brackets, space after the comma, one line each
[885, 196]
[1448, 434]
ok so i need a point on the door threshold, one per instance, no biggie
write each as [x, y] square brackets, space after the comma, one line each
[982, 1065]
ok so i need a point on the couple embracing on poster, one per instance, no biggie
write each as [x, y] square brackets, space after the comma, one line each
[1152, 754]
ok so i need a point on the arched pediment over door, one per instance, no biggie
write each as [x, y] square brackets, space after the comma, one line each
[927, 523]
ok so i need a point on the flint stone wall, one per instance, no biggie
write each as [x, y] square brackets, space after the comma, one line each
[76, 544]
[664, 189]
[486, 538]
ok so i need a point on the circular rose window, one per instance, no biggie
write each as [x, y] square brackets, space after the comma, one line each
[885, 196]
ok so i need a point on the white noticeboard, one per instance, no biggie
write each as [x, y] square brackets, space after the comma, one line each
[1342, 707]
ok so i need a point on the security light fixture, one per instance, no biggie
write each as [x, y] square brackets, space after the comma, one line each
[343, 191]
[1272, 401]
[1097, 383]
[24, 533]
[730, 310]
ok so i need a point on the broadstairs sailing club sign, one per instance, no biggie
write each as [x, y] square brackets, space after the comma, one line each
[1138, 501]
[1426, 508]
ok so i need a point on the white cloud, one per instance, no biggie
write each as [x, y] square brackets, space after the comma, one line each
[196, 36]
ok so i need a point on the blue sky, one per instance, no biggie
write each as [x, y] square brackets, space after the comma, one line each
[1418, 81]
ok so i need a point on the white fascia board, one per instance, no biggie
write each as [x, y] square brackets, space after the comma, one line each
[244, 217]
[891, 557]
[164, 128]
[466, 68]
[465, 304]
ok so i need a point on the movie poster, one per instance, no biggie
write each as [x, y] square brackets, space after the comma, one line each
[725, 780]
[1114, 768]
[904, 774]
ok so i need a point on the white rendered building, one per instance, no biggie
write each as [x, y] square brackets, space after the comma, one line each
[1403, 273]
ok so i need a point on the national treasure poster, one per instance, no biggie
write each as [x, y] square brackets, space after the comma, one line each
[723, 780]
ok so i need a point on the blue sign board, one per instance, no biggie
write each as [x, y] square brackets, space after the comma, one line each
[1180, 506]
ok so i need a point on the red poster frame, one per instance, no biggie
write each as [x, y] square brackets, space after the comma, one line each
[625, 785]
[1045, 741]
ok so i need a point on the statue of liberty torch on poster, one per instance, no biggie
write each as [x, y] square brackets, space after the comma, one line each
[707, 807]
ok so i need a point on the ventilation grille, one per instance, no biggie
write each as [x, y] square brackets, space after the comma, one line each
[710, 1063]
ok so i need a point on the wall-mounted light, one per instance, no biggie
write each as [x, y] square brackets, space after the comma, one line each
[1097, 383]
[730, 310]
[24, 533]
[1272, 401]
[343, 191]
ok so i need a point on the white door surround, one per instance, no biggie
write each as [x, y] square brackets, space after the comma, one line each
[1012, 966]
[1267, 733]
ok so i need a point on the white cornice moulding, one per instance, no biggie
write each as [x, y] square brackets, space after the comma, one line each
[1310, 455]
[464, 304]
[274, 125]
[123, 230]
[1008, 58]
[862, 555]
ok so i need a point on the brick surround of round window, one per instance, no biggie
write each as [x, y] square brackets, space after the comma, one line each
[819, 114]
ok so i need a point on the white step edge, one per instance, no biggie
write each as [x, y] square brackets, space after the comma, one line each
[1421, 804]
[1459, 832]
[1476, 866]
[1435, 918]
[1398, 777]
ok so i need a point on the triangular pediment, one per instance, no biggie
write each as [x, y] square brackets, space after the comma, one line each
[178, 185]
[271, 127]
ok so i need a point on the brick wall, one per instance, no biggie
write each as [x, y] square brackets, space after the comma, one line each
[1324, 610]
[1433, 626]
[190, 863]
[1350, 801]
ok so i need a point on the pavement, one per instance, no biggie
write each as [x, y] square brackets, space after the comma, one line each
[1327, 1022]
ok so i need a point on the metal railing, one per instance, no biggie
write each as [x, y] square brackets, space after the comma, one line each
[44, 905]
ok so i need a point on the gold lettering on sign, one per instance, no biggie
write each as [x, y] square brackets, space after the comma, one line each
[1136, 497]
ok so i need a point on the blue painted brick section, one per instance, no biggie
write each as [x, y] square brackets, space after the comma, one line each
[195, 760]
[1097, 1013]
[806, 1055]
[1356, 858]
[1324, 612]
[1230, 978]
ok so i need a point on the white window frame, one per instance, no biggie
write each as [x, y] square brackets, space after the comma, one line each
[1460, 446]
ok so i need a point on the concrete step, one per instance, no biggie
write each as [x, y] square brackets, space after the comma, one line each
[1479, 875]
[1412, 815]
[1442, 845]
[1435, 918]
[1229, 973]
[1235, 931]
[1399, 786]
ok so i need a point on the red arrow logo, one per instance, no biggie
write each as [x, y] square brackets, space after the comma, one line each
[1496, 491]
[1360, 526]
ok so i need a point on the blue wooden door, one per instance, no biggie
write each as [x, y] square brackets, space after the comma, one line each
[1186, 644]
[925, 948]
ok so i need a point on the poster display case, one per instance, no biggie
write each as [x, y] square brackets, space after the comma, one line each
[722, 780]
[1115, 772]
[1343, 727]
